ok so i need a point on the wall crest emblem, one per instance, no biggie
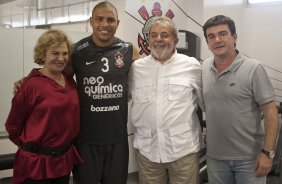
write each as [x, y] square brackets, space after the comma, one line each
[143, 42]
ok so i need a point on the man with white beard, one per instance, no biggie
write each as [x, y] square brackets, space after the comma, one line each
[165, 88]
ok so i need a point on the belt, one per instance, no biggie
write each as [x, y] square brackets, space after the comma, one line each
[54, 152]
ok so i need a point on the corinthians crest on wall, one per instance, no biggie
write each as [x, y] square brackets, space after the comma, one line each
[143, 12]
[140, 16]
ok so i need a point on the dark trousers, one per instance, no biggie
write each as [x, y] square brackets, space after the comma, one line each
[61, 180]
[104, 164]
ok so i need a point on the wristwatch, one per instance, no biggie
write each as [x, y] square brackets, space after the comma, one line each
[270, 154]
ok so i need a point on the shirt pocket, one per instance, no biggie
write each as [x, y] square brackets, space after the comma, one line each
[144, 139]
[180, 89]
[180, 136]
[142, 91]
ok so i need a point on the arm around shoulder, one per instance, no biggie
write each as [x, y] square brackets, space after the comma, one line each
[17, 85]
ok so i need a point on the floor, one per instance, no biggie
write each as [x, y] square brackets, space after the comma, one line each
[274, 180]
[133, 179]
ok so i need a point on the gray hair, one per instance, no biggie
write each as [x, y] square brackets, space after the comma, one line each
[163, 20]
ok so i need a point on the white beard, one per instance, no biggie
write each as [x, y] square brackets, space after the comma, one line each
[162, 54]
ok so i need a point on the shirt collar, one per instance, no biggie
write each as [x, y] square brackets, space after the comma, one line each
[234, 65]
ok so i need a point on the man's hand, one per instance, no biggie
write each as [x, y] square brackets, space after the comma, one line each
[264, 165]
[17, 85]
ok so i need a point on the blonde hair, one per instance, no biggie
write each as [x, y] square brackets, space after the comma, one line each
[51, 38]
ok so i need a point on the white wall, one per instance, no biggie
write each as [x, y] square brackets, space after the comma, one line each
[263, 38]
[11, 59]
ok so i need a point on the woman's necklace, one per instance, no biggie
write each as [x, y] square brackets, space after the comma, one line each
[61, 81]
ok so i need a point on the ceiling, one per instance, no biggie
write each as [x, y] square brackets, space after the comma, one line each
[25, 13]
[5, 1]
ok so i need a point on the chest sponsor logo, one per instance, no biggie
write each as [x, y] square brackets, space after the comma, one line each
[104, 109]
[96, 88]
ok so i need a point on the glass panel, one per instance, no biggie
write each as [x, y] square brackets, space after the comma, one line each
[37, 18]
[60, 15]
[79, 12]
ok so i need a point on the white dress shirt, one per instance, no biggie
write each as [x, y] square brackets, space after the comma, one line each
[164, 102]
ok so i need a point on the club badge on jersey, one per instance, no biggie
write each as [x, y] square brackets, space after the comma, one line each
[119, 60]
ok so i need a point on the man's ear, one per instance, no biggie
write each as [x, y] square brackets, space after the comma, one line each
[235, 39]
[90, 21]
[176, 41]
